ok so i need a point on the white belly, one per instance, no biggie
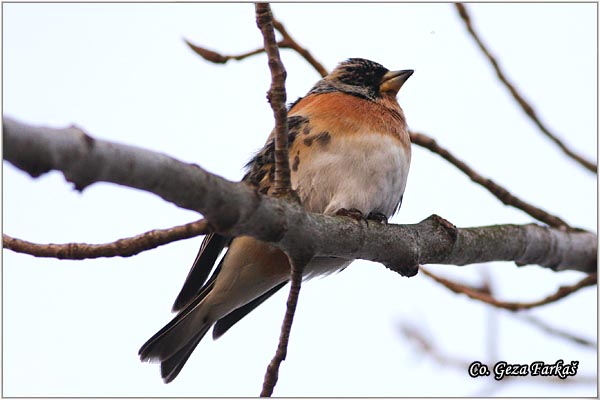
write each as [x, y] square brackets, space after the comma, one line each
[367, 172]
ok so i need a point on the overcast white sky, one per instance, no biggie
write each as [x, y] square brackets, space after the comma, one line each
[123, 73]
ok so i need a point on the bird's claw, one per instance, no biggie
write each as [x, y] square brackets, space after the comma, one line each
[353, 213]
[377, 217]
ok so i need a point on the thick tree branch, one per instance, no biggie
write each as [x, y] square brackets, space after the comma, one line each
[236, 209]
[527, 108]
[277, 98]
[501, 193]
[123, 247]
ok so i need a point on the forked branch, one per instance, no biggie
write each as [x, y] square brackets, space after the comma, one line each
[234, 209]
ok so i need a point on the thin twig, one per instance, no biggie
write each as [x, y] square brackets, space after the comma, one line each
[287, 42]
[427, 346]
[217, 58]
[272, 373]
[277, 98]
[561, 293]
[538, 323]
[123, 247]
[501, 193]
[527, 108]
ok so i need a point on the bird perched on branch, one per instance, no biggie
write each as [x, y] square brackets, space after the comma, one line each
[349, 151]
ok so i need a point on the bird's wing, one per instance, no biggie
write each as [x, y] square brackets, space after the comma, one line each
[233, 317]
[211, 247]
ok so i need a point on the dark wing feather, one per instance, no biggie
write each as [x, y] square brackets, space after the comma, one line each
[233, 317]
[211, 247]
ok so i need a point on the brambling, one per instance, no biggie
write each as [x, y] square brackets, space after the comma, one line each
[349, 152]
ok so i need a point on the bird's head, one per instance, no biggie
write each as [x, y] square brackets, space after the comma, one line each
[364, 78]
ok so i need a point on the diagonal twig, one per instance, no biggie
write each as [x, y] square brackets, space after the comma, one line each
[501, 193]
[272, 373]
[527, 108]
[561, 293]
[287, 42]
[426, 345]
[538, 323]
[123, 247]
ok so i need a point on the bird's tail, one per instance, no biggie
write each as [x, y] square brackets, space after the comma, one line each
[173, 344]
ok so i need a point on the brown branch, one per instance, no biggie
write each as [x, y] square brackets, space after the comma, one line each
[217, 58]
[272, 373]
[123, 247]
[283, 185]
[561, 293]
[527, 108]
[501, 193]
[287, 42]
[277, 98]
[235, 209]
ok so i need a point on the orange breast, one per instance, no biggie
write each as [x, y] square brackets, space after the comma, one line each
[342, 114]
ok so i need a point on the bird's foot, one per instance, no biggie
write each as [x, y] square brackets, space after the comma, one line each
[377, 217]
[353, 213]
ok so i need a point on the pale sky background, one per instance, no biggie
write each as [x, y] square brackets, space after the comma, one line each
[123, 73]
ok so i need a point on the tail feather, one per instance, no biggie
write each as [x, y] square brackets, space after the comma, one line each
[180, 332]
[211, 247]
[171, 367]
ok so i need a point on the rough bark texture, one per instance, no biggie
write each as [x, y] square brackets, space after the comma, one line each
[235, 209]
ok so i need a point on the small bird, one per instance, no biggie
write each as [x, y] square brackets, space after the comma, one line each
[349, 152]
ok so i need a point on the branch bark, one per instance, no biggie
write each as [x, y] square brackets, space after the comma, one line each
[235, 209]
[272, 374]
[123, 247]
[283, 183]
[277, 98]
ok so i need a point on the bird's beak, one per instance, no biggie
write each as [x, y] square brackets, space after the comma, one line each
[392, 81]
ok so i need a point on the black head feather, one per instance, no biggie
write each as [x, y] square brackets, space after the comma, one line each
[355, 76]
